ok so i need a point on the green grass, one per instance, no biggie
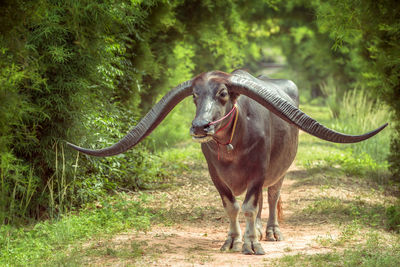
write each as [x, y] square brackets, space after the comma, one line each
[339, 210]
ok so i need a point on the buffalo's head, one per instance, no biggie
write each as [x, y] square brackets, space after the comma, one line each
[213, 100]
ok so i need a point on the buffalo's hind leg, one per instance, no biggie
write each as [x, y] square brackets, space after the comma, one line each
[273, 232]
[258, 220]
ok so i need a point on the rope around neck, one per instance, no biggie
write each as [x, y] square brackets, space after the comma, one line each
[229, 145]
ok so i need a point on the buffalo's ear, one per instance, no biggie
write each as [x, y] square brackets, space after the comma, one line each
[234, 96]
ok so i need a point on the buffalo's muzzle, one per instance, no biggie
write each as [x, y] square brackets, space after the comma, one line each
[202, 131]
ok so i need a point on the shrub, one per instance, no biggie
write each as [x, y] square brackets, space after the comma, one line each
[359, 114]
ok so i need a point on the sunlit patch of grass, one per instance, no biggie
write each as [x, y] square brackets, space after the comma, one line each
[373, 251]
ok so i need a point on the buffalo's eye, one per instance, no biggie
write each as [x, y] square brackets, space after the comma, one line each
[223, 94]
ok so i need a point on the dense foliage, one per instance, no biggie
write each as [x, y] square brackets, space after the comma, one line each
[85, 71]
[71, 67]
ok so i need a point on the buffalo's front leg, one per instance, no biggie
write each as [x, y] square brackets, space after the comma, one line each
[232, 208]
[234, 240]
[250, 209]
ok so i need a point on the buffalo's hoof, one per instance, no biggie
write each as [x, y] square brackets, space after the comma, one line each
[252, 247]
[232, 244]
[274, 234]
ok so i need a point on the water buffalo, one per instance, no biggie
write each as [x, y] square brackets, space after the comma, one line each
[248, 129]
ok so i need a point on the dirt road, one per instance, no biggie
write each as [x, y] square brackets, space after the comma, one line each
[195, 227]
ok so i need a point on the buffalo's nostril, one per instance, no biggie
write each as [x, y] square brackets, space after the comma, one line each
[210, 129]
[201, 127]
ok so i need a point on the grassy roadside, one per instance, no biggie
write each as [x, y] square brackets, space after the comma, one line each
[61, 242]
[51, 242]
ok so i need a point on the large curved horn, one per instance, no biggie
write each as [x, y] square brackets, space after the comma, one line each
[271, 97]
[146, 125]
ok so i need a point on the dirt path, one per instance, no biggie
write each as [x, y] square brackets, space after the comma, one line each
[195, 226]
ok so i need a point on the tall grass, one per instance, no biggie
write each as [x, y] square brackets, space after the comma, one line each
[17, 186]
[332, 94]
[59, 190]
[359, 114]
[353, 113]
